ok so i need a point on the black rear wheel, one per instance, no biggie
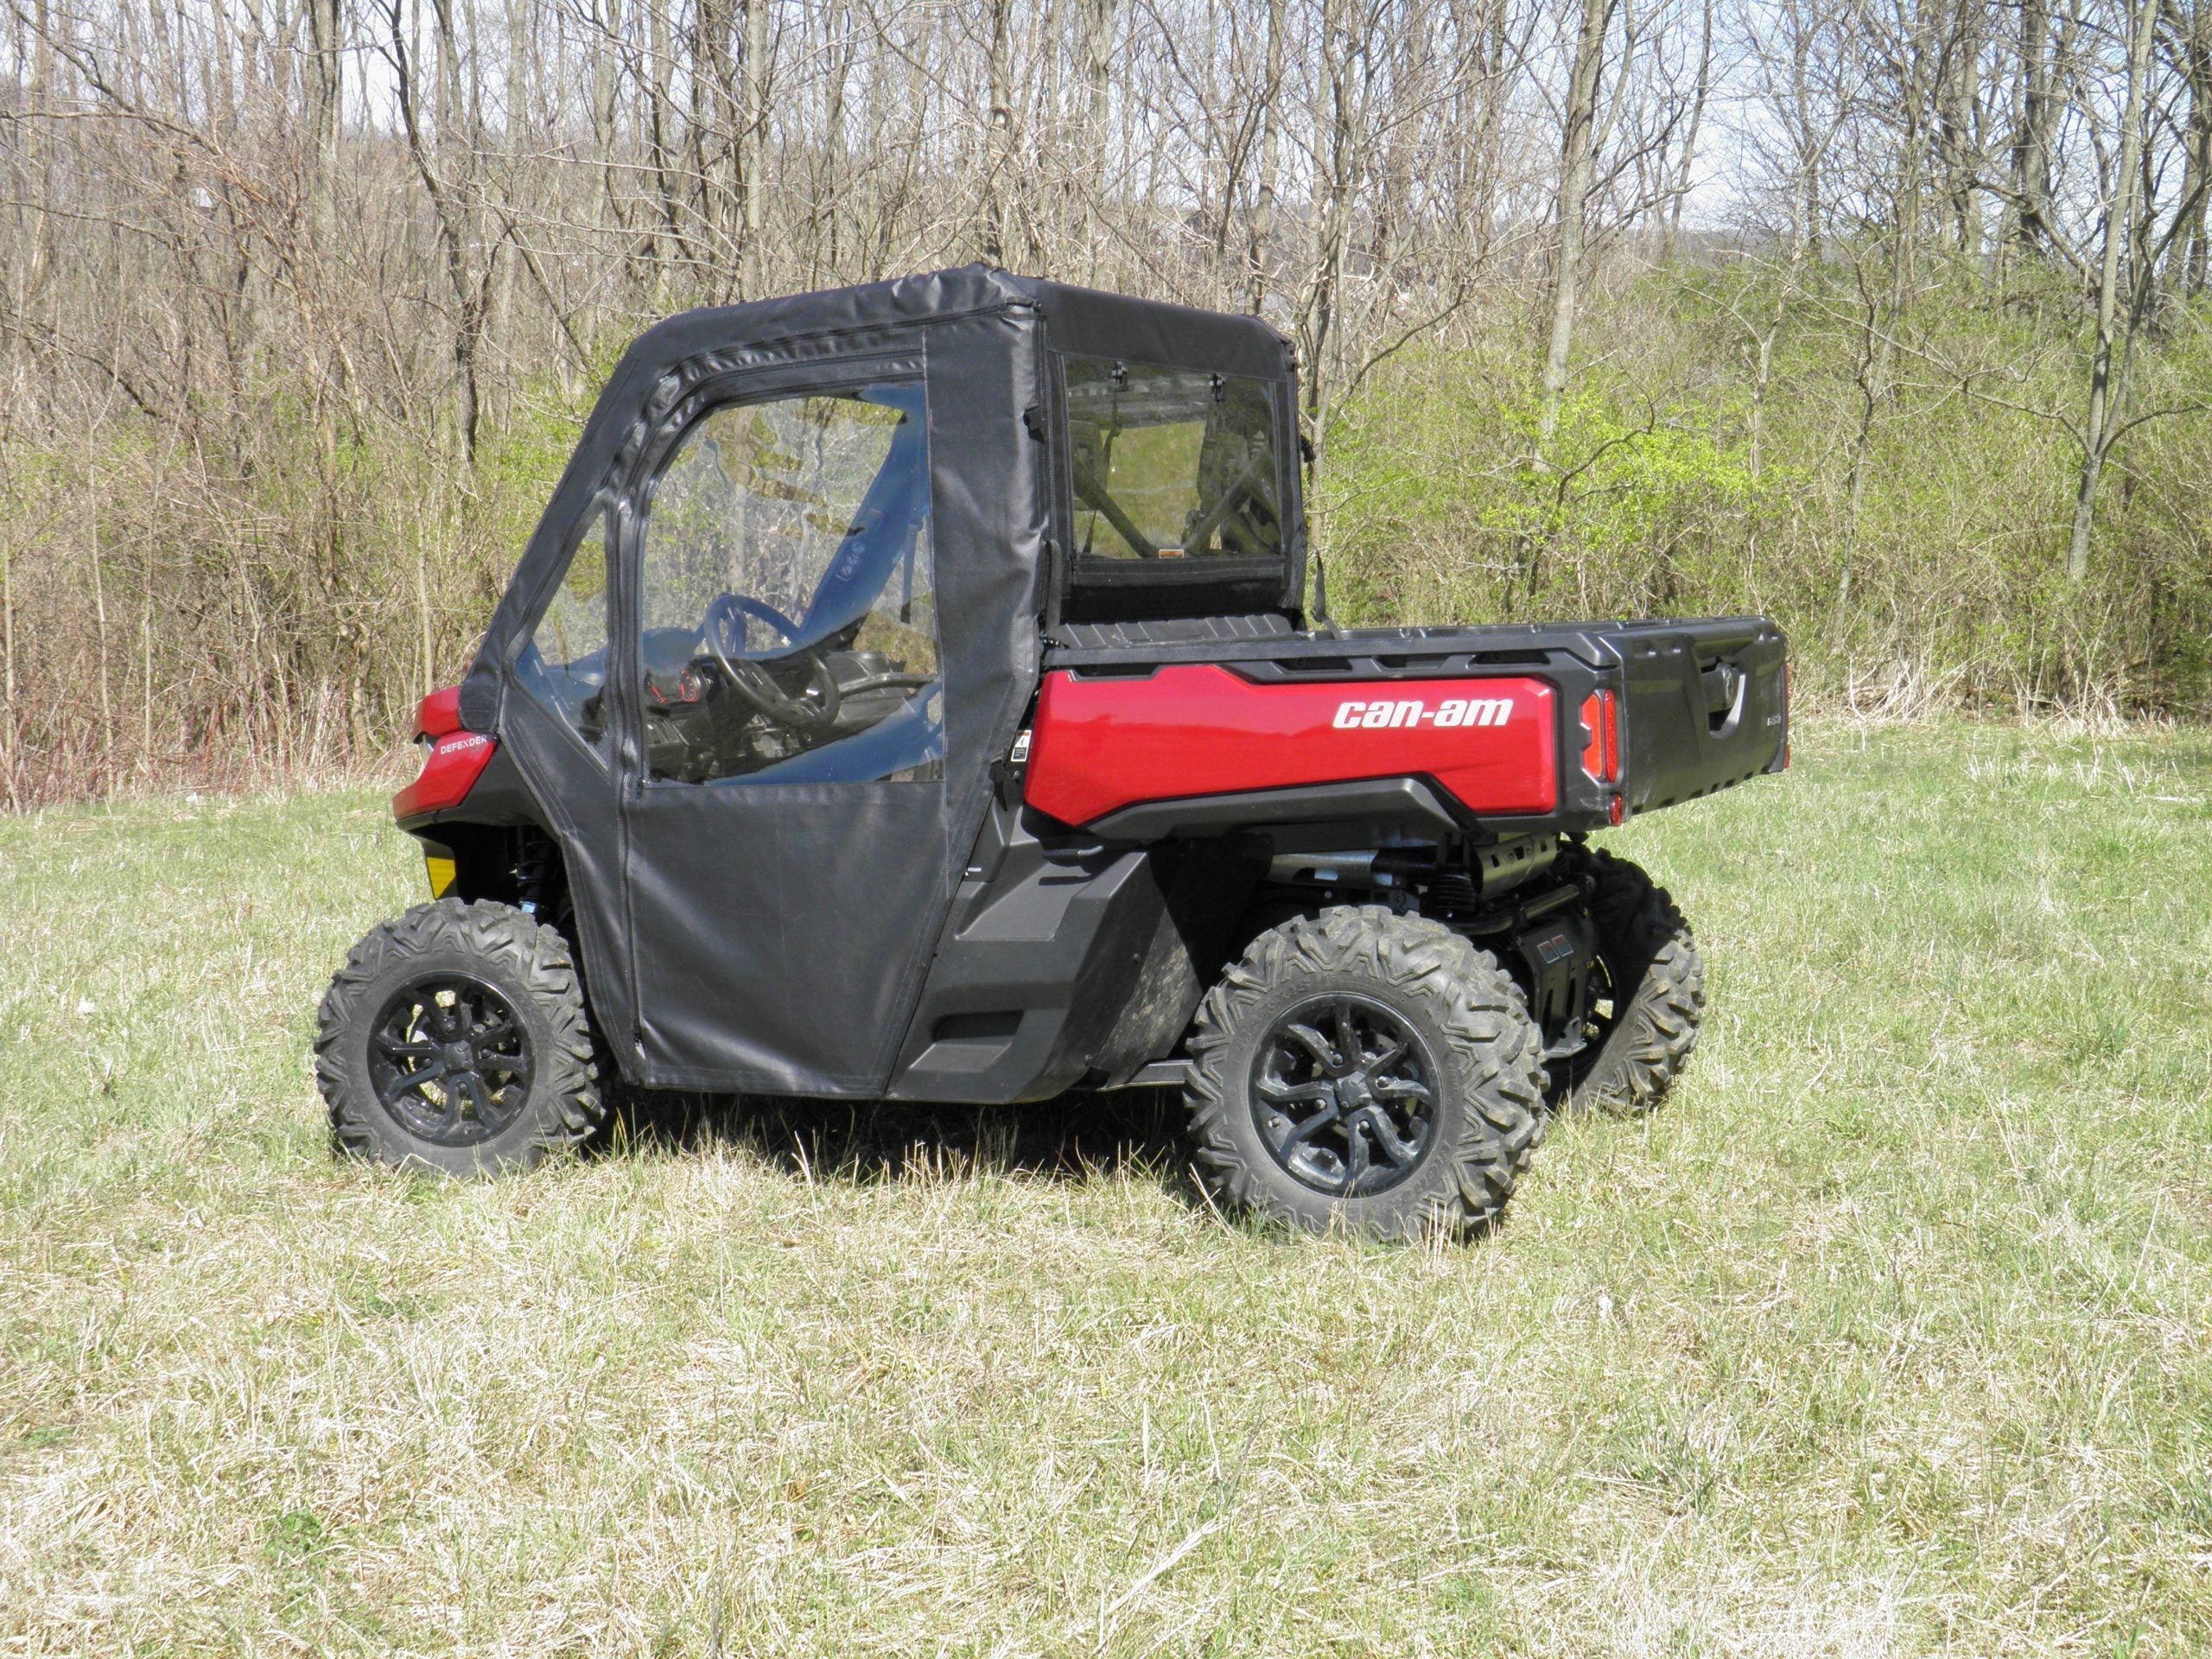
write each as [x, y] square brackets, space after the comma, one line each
[454, 1038]
[1365, 1072]
[1344, 1093]
[1647, 994]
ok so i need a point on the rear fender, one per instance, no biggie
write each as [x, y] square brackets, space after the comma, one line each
[453, 758]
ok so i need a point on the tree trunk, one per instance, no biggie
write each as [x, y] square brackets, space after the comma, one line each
[326, 105]
[604, 129]
[660, 146]
[2029, 208]
[1698, 94]
[752, 144]
[1097, 151]
[100, 616]
[1809, 146]
[1577, 163]
[1263, 206]
[2098, 420]
[998, 137]
[1957, 104]
[2195, 51]
[467, 295]
[712, 187]
[830, 209]
[1341, 165]
[517, 124]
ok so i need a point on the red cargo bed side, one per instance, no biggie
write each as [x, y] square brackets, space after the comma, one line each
[1101, 743]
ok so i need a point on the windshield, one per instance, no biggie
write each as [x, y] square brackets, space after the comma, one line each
[1172, 463]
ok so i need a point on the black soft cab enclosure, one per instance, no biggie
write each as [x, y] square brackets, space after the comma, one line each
[908, 691]
[817, 533]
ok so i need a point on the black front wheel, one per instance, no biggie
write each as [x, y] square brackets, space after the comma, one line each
[454, 1038]
[1365, 1072]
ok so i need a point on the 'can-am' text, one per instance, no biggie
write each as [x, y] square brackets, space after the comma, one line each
[1452, 711]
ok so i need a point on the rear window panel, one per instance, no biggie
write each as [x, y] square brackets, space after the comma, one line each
[1171, 468]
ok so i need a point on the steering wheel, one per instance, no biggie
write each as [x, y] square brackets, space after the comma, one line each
[726, 617]
[723, 633]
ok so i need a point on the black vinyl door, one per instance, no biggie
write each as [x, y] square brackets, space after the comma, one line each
[783, 795]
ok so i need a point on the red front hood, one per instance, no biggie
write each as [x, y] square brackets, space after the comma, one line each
[456, 760]
[439, 713]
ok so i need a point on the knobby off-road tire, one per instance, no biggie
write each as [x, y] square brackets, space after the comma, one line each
[1656, 981]
[455, 1038]
[1469, 1040]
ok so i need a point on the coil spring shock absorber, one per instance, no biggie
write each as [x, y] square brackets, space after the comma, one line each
[539, 889]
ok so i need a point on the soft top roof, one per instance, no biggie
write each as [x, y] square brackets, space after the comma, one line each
[1080, 320]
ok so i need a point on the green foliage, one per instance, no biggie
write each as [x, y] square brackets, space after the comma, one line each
[1899, 497]
[1631, 513]
[520, 458]
[172, 616]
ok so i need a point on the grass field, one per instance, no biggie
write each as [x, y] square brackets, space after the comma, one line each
[1891, 1334]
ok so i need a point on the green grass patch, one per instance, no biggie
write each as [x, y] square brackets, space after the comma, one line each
[1892, 1333]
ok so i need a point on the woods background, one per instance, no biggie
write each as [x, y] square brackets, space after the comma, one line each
[1886, 316]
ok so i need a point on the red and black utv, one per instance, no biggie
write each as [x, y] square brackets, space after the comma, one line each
[908, 694]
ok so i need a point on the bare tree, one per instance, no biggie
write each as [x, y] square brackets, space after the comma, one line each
[2189, 33]
[300, 300]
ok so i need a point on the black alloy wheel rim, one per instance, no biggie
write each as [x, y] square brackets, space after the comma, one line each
[449, 1060]
[1343, 1094]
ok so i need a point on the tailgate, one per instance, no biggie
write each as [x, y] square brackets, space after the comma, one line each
[1706, 705]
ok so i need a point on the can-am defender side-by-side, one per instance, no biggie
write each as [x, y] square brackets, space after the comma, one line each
[907, 694]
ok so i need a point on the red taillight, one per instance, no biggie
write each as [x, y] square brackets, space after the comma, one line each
[1601, 753]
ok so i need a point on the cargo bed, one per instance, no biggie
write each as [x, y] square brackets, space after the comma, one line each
[1700, 705]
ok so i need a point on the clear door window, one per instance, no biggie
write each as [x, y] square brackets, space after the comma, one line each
[563, 661]
[787, 602]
